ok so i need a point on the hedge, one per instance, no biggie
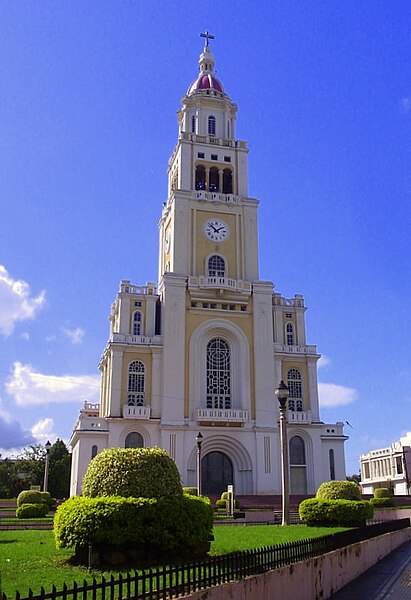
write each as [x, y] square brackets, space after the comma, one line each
[32, 511]
[339, 490]
[30, 497]
[330, 513]
[136, 472]
[166, 523]
[382, 502]
[382, 493]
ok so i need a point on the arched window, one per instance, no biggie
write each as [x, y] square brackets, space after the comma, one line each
[218, 374]
[332, 464]
[227, 181]
[94, 451]
[297, 450]
[289, 334]
[213, 183]
[216, 266]
[211, 125]
[137, 322]
[200, 177]
[295, 400]
[134, 440]
[136, 383]
[298, 466]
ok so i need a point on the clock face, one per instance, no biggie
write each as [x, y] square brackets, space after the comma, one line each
[167, 241]
[216, 230]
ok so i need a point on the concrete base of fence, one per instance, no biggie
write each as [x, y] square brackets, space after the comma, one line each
[318, 577]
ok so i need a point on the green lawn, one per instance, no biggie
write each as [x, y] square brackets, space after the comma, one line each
[29, 558]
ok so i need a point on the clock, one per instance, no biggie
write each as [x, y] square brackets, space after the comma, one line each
[216, 230]
[167, 241]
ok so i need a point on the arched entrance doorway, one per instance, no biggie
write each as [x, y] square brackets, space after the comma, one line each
[216, 473]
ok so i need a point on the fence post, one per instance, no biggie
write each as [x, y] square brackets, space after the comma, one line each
[90, 556]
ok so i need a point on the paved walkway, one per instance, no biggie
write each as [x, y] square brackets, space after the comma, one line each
[389, 579]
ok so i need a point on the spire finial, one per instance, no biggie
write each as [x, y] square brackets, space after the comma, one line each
[207, 37]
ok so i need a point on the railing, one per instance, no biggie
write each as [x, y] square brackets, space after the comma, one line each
[126, 338]
[299, 416]
[129, 288]
[229, 415]
[93, 407]
[136, 412]
[210, 139]
[176, 581]
[215, 196]
[88, 423]
[204, 282]
[306, 349]
[279, 300]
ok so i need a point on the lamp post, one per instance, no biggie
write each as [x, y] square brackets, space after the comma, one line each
[199, 440]
[282, 394]
[46, 466]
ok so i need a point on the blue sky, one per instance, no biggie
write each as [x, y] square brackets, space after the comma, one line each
[88, 107]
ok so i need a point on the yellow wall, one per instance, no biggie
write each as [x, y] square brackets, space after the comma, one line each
[205, 247]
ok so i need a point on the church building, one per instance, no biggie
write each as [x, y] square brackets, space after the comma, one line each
[204, 349]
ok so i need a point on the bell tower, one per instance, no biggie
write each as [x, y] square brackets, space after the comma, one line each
[208, 227]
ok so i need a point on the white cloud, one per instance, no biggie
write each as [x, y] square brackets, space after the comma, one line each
[29, 388]
[12, 435]
[324, 361]
[405, 105]
[74, 335]
[331, 395]
[43, 431]
[25, 336]
[16, 304]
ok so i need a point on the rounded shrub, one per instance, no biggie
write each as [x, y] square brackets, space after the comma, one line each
[30, 497]
[32, 511]
[331, 513]
[382, 502]
[164, 523]
[382, 493]
[339, 490]
[190, 490]
[136, 472]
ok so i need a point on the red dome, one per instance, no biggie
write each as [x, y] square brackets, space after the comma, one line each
[206, 81]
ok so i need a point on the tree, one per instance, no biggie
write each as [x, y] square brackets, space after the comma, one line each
[29, 468]
[59, 470]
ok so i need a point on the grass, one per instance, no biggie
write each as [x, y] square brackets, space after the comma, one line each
[29, 558]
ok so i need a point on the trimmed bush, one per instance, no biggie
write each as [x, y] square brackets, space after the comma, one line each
[32, 511]
[382, 493]
[382, 502]
[190, 490]
[339, 490]
[165, 523]
[136, 472]
[330, 513]
[30, 497]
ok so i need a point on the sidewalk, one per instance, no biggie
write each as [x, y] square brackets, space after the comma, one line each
[390, 578]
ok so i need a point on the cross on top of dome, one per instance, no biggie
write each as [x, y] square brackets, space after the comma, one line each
[206, 80]
[207, 37]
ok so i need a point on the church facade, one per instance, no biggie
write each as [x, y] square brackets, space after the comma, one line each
[205, 348]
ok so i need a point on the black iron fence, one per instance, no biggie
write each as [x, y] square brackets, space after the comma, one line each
[160, 583]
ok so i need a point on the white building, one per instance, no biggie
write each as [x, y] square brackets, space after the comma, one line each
[388, 467]
[206, 348]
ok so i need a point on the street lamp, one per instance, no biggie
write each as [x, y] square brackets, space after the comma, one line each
[199, 440]
[282, 394]
[46, 466]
